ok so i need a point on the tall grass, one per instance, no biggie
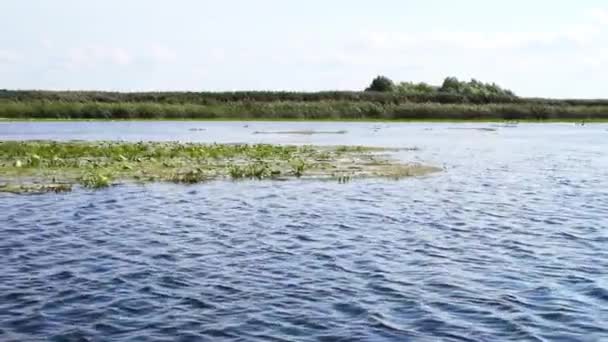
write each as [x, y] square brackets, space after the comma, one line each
[323, 109]
[247, 96]
[210, 98]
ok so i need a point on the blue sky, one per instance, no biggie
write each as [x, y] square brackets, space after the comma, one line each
[536, 48]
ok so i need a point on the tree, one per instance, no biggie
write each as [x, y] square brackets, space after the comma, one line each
[381, 83]
[410, 88]
[451, 85]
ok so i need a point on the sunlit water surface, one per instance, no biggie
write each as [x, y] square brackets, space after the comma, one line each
[509, 242]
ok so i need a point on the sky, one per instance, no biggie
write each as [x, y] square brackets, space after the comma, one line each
[544, 48]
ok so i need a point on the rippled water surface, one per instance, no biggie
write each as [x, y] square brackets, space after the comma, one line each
[510, 242]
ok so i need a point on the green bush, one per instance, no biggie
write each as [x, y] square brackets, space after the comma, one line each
[381, 84]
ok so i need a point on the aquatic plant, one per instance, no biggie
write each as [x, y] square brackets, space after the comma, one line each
[55, 162]
[33, 160]
[343, 149]
[298, 166]
[35, 188]
[236, 171]
[343, 178]
[95, 180]
[190, 177]
[98, 164]
[258, 170]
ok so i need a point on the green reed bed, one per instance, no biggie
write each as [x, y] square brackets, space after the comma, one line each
[47, 166]
[304, 110]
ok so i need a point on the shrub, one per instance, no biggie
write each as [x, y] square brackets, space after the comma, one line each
[381, 84]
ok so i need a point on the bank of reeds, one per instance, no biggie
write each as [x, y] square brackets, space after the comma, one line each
[301, 110]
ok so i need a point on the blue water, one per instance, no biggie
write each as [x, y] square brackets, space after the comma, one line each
[508, 243]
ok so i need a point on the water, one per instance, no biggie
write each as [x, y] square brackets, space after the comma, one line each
[508, 243]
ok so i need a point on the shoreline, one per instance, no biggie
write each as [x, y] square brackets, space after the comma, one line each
[367, 107]
[328, 120]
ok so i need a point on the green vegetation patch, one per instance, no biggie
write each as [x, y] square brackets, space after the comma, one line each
[48, 166]
[400, 109]
[453, 100]
[33, 188]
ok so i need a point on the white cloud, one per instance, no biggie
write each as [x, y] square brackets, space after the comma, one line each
[217, 54]
[532, 57]
[600, 15]
[94, 55]
[581, 35]
[47, 43]
[9, 56]
[8, 59]
[119, 56]
[588, 33]
[162, 54]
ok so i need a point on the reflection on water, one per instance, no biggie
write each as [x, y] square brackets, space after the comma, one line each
[509, 243]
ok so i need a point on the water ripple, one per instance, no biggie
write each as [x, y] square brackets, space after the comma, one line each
[506, 245]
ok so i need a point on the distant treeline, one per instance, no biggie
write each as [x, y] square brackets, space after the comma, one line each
[277, 96]
[244, 96]
[383, 99]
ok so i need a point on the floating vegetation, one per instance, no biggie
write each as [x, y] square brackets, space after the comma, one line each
[343, 178]
[35, 188]
[298, 166]
[307, 132]
[49, 166]
[236, 171]
[190, 177]
[95, 180]
[258, 170]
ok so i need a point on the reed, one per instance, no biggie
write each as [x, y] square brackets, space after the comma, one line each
[304, 110]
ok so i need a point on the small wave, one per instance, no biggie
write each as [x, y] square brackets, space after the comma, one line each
[599, 293]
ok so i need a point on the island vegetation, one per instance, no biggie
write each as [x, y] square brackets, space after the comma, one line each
[50, 166]
[382, 100]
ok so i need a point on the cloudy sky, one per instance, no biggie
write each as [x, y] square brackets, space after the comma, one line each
[553, 48]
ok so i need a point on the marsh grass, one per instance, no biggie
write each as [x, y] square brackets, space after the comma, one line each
[365, 107]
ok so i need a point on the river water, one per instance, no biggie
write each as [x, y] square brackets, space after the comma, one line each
[509, 242]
